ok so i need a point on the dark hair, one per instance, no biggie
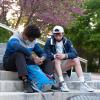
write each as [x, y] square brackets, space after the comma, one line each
[32, 31]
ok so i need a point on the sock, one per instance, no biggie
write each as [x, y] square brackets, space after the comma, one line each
[61, 79]
[24, 78]
[81, 78]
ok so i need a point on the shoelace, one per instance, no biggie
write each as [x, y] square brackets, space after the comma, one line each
[64, 85]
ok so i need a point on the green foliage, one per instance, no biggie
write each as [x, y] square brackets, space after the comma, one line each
[93, 4]
[4, 35]
[85, 33]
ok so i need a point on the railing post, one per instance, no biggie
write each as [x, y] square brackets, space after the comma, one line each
[85, 67]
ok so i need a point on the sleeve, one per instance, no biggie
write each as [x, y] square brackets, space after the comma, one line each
[72, 53]
[39, 51]
[15, 44]
[48, 51]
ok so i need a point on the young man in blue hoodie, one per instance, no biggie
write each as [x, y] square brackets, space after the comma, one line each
[19, 54]
[59, 50]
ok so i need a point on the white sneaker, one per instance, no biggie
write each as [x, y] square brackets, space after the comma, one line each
[63, 87]
[84, 87]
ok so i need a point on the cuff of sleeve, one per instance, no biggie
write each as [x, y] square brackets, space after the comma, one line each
[54, 56]
[66, 56]
[43, 58]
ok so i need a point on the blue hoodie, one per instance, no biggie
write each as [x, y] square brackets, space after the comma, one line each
[17, 44]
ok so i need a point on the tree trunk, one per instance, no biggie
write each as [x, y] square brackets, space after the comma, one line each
[18, 21]
[29, 19]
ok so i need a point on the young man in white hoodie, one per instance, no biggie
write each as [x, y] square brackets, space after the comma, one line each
[59, 50]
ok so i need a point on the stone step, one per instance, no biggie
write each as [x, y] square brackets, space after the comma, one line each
[2, 48]
[11, 86]
[1, 57]
[2, 51]
[14, 86]
[8, 75]
[76, 84]
[74, 77]
[95, 97]
[48, 95]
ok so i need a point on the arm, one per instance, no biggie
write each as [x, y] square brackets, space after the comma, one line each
[48, 51]
[39, 51]
[15, 45]
[71, 52]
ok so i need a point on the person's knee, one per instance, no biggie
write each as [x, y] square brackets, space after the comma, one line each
[19, 54]
[76, 59]
[57, 60]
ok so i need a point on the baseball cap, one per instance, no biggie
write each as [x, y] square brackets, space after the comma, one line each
[58, 29]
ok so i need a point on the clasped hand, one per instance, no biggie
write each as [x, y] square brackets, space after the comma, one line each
[60, 56]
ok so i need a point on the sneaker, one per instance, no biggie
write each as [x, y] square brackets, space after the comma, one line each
[46, 87]
[85, 87]
[34, 87]
[63, 87]
[55, 87]
[27, 86]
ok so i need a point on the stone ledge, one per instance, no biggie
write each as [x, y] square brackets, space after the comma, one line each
[15, 86]
[11, 86]
[45, 96]
[8, 75]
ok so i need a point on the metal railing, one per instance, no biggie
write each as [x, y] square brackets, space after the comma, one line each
[41, 42]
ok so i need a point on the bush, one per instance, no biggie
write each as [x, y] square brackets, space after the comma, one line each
[4, 35]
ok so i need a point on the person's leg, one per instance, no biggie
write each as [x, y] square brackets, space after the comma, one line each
[17, 62]
[21, 64]
[76, 63]
[48, 67]
[63, 85]
[9, 64]
[78, 69]
[58, 69]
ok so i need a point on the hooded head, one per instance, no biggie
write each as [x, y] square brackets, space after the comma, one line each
[58, 33]
[31, 32]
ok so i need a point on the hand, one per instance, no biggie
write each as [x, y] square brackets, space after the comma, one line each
[38, 60]
[60, 56]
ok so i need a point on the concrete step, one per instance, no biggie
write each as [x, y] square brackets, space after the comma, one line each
[95, 97]
[8, 75]
[76, 84]
[1, 58]
[2, 51]
[11, 86]
[14, 86]
[47, 95]
[2, 48]
[74, 77]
